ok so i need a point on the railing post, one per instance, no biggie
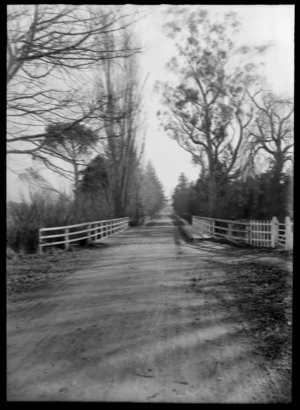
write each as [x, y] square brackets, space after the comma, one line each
[203, 225]
[213, 228]
[206, 227]
[229, 235]
[40, 242]
[288, 234]
[66, 238]
[89, 233]
[274, 232]
[248, 227]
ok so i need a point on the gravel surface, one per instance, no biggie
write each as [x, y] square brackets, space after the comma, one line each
[148, 317]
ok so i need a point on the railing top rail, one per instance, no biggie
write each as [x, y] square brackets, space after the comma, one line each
[57, 228]
[233, 221]
[223, 220]
[203, 217]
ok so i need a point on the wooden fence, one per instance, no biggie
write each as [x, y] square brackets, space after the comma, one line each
[89, 231]
[270, 234]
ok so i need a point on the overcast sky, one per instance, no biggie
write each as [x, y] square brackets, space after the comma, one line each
[260, 23]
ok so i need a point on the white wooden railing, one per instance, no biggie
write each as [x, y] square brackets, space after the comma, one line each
[90, 231]
[270, 234]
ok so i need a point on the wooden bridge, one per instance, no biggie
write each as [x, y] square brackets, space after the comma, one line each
[133, 326]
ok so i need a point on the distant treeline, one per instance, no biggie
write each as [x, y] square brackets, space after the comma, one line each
[249, 198]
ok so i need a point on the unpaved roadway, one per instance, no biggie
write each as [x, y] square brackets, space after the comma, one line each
[129, 327]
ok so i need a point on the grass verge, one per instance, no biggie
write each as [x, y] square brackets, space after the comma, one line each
[261, 284]
[29, 272]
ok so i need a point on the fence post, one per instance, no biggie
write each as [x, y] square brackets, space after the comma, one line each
[67, 238]
[274, 232]
[213, 228]
[288, 234]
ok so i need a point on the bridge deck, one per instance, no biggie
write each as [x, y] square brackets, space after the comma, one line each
[130, 327]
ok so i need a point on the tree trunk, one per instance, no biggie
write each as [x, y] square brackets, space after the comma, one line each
[276, 200]
[212, 197]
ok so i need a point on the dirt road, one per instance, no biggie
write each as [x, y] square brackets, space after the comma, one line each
[129, 327]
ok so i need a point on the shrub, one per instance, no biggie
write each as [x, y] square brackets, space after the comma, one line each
[26, 217]
[42, 210]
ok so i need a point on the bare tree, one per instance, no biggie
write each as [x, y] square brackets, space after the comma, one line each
[48, 48]
[34, 179]
[272, 134]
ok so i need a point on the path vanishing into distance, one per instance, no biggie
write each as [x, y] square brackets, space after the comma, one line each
[130, 327]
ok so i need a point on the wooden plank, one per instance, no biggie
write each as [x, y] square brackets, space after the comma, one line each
[81, 224]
